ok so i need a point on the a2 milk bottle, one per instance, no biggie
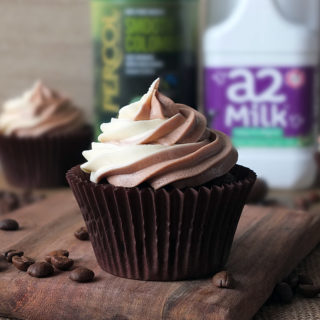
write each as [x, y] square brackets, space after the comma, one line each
[260, 77]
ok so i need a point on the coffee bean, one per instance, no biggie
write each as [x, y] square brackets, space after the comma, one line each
[223, 279]
[303, 279]
[308, 290]
[283, 293]
[40, 270]
[56, 253]
[22, 263]
[258, 192]
[62, 262]
[81, 274]
[11, 253]
[82, 234]
[9, 225]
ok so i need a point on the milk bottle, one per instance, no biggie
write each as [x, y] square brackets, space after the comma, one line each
[260, 63]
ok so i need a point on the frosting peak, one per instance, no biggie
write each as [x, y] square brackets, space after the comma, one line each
[152, 105]
[157, 119]
[158, 141]
[38, 111]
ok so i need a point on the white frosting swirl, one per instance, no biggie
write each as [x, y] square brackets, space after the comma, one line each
[157, 141]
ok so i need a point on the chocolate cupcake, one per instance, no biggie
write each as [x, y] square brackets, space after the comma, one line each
[161, 194]
[42, 135]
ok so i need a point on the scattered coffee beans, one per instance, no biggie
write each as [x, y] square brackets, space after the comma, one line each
[11, 253]
[82, 234]
[82, 274]
[282, 293]
[40, 269]
[295, 282]
[56, 253]
[9, 225]
[61, 262]
[308, 290]
[22, 263]
[223, 279]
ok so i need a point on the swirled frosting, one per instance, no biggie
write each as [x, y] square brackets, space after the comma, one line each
[39, 111]
[160, 142]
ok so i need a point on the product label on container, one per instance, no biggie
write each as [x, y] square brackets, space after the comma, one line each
[262, 106]
[137, 41]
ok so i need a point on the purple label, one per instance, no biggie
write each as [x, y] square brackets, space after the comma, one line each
[260, 97]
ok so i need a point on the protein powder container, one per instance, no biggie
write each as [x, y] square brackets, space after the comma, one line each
[135, 42]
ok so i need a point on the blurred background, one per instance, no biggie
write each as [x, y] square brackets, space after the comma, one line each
[196, 47]
[48, 40]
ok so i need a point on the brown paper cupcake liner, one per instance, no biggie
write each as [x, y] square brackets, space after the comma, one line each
[41, 162]
[165, 234]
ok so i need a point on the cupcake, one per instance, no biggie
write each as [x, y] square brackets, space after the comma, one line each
[42, 135]
[160, 193]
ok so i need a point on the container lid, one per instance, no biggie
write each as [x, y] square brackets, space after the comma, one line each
[257, 26]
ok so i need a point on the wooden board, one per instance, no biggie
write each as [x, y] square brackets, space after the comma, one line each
[269, 243]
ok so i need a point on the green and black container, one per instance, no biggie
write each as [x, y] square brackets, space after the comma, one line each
[136, 41]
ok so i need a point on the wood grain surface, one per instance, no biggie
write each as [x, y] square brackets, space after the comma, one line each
[269, 243]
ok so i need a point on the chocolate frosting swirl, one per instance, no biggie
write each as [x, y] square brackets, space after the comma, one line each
[39, 111]
[160, 142]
